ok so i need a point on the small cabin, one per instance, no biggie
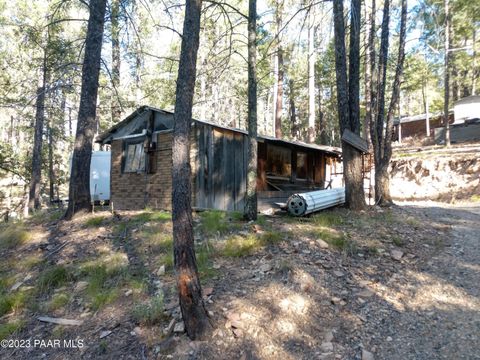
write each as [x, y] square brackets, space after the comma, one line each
[467, 109]
[141, 164]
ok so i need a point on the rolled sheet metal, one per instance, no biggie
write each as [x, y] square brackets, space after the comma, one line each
[307, 203]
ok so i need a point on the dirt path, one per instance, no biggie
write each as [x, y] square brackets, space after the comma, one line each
[441, 300]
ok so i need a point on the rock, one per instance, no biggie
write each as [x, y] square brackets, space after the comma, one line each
[322, 244]
[265, 267]
[327, 346]
[365, 293]
[336, 300]
[338, 273]
[161, 271]
[179, 328]
[168, 330]
[80, 286]
[389, 338]
[236, 324]
[367, 355]
[237, 333]
[128, 292]
[329, 336]
[233, 316]
[105, 333]
[207, 291]
[396, 254]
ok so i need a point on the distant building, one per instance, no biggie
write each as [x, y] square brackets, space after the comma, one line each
[416, 126]
[467, 109]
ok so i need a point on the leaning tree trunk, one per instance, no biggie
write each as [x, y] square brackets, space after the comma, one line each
[79, 190]
[280, 73]
[189, 289]
[352, 159]
[115, 104]
[382, 176]
[446, 70]
[250, 211]
[36, 175]
[311, 76]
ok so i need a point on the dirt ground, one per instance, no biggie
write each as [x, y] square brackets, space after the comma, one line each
[400, 283]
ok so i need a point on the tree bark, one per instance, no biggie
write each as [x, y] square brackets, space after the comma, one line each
[189, 289]
[446, 70]
[36, 175]
[293, 110]
[79, 190]
[352, 159]
[311, 76]
[280, 72]
[354, 67]
[250, 212]
[369, 68]
[382, 180]
[116, 109]
[51, 175]
[474, 60]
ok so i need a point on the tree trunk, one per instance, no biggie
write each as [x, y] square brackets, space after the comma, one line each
[51, 175]
[369, 68]
[382, 180]
[280, 74]
[79, 190]
[474, 60]
[115, 105]
[189, 289]
[293, 111]
[354, 67]
[279, 100]
[36, 175]
[378, 133]
[352, 159]
[250, 212]
[446, 70]
[311, 76]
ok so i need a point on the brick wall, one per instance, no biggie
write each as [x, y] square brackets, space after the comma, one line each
[130, 191]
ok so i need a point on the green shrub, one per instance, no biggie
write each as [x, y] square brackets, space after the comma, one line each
[95, 221]
[9, 328]
[54, 277]
[327, 219]
[151, 312]
[13, 235]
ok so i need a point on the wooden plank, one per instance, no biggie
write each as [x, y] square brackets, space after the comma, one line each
[59, 321]
[229, 170]
[209, 167]
[239, 171]
[245, 166]
[356, 141]
[201, 166]
[218, 171]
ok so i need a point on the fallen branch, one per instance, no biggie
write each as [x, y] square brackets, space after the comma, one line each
[57, 249]
[59, 321]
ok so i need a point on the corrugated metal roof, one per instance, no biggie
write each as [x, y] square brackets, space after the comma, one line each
[142, 109]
